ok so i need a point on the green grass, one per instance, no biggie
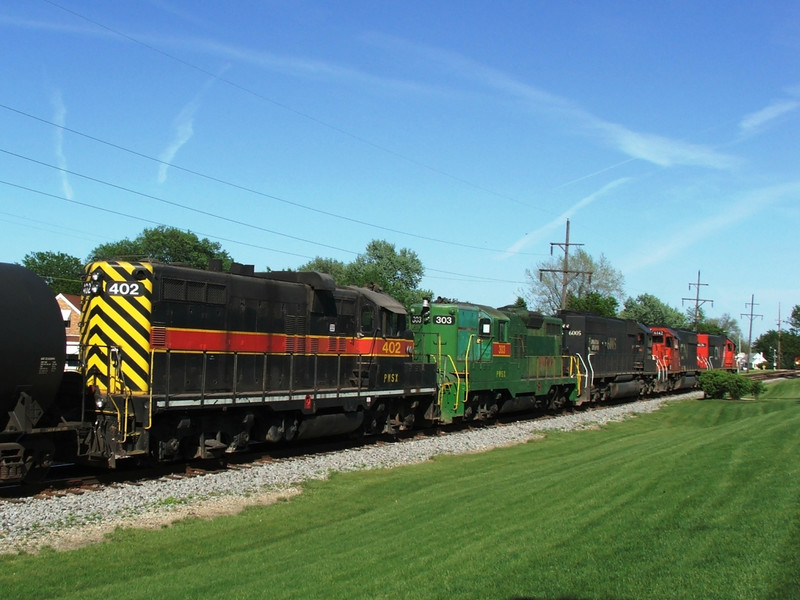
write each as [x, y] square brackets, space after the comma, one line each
[698, 500]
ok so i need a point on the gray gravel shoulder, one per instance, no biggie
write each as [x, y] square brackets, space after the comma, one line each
[73, 520]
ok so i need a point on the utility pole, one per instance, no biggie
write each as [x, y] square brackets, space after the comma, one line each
[564, 270]
[778, 361]
[698, 302]
[750, 316]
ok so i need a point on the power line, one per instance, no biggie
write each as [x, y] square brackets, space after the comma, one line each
[750, 316]
[288, 108]
[138, 218]
[236, 186]
[172, 203]
[698, 302]
[565, 270]
[462, 276]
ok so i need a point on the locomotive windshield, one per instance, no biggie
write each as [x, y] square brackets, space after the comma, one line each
[394, 324]
[387, 323]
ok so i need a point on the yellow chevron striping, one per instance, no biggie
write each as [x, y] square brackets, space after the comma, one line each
[134, 378]
[120, 321]
[139, 354]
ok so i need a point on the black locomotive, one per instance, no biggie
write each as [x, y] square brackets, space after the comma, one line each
[186, 363]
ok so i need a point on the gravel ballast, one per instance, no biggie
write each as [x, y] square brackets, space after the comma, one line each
[72, 520]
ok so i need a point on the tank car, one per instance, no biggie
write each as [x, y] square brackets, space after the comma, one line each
[33, 426]
[491, 361]
[616, 355]
[186, 363]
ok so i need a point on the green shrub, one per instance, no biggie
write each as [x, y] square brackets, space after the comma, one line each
[718, 384]
[757, 388]
[713, 383]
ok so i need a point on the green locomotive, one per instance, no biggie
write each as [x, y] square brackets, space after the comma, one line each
[492, 361]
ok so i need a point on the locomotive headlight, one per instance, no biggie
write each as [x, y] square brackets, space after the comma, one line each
[100, 402]
[426, 310]
[96, 284]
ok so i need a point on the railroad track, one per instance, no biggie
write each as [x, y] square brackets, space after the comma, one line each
[76, 479]
[769, 375]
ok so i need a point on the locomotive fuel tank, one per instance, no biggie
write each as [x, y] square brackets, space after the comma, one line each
[33, 348]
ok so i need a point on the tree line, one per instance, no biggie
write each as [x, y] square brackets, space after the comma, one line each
[592, 286]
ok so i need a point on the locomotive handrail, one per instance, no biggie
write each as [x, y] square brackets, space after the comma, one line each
[150, 391]
[458, 381]
[112, 388]
[118, 386]
[440, 368]
[588, 368]
[574, 370]
[466, 368]
[661, 370]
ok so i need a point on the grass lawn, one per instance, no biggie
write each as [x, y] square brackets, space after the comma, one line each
[698, 500]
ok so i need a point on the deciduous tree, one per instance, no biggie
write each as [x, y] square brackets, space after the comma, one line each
[166, 244]
[398, 273]
[789, 343]
[334, 268]
[546, 283]
[62, 272]
[594, 303]
[649, 310]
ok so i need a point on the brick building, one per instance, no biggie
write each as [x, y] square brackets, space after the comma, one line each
[70, 305]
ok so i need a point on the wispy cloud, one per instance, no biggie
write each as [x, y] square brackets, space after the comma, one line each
[60, 118]
[653, 148]
[650, 147]
[53, 26]
[183, 130]
[736, 212]
[536, 235]
[759, 119]
[660, 150]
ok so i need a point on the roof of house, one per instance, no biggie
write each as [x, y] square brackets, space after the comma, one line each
[73, 301]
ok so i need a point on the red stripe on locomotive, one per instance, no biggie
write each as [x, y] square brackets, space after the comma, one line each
[196, 340]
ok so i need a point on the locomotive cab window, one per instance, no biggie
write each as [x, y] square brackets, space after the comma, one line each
[368, 320]
[394, 324]
[485, 327]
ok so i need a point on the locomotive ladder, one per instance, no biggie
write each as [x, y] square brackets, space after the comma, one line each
[123, 400]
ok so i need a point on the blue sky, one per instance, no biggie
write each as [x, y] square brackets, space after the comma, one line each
[466, 131]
